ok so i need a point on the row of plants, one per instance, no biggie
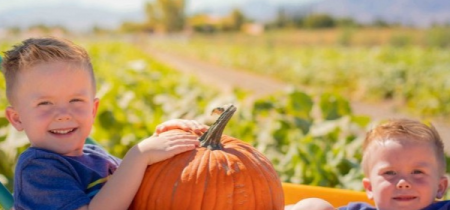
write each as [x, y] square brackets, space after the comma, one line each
[414, 76]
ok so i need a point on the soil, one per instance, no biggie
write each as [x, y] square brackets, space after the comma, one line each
[226, 79]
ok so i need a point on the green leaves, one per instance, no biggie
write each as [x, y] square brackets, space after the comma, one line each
[307, 140]
[334, 106]
[299, 104]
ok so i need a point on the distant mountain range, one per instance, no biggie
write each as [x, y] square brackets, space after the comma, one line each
[419, 13]
[69, 13]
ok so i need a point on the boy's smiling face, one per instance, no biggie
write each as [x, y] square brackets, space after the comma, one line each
[55, 104]
[403, 175]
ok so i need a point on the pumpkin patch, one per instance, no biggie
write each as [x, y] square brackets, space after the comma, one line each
[224, 173]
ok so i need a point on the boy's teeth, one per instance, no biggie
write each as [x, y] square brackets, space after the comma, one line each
[62, 131]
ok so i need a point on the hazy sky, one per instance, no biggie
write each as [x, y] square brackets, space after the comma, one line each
[128, 5]
[24, 13]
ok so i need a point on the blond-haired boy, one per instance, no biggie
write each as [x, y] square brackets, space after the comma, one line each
[404, 166]
[50, 86]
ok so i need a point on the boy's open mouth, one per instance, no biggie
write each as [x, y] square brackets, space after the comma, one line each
[404, 198]
[62, 131]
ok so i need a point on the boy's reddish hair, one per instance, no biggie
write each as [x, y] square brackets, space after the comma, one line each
[35, 51]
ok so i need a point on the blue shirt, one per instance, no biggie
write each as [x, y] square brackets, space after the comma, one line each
[441, 205]
[46, 180]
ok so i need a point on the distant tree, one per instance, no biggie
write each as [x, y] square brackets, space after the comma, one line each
[202, 23]
[319, 21]
[132, 27]
[167, 15]
[346, 22]
[282, 18]
[237, 19]
[380, 23]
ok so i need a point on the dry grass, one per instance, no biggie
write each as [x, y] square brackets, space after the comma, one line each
[325, 37]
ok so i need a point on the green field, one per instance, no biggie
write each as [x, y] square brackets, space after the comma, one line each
[137, 93]
[414, 74]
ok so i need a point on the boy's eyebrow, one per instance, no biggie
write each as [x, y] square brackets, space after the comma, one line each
[82, 93]
[422, 164]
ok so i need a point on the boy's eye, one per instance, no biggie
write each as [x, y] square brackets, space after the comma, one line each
[76, 100]
[390, 173]
[44, 103]
[417, 172]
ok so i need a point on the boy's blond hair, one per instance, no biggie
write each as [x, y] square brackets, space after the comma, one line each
[397, 129]
[36, 51]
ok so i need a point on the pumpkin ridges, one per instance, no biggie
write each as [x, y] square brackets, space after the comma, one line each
[196, 174]
[157, 189]
[146, 188]
[252, 183]
[224, 197]
[271, 175]
[240, 178]
[261, 163]
[177, 167]
[202, 175]
[168, 195]
[155, 171]
[210, 198]
[253, 158]
[159, 186]
[255, 183]
[241, 192]
[183, 196]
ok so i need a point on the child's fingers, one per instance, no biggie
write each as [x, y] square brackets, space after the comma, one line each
[196, 127]
[184, 141]
[165, 126]
[179, 148]
[185, 125]
[173, 124]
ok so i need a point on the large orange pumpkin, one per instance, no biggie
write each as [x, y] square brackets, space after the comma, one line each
[225, 173]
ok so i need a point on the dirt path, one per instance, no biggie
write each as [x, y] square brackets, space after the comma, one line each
[227, 78]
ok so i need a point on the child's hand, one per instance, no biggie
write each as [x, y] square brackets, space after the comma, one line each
[159, 148]
[185, 125]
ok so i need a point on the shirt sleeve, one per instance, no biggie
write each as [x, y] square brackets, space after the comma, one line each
[357, 206]
[441, 205]
[48, 184]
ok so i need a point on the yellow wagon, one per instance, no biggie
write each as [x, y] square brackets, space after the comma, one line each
[337, 197]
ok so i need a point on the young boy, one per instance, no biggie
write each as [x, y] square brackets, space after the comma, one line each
[51, 89]
[404, 164]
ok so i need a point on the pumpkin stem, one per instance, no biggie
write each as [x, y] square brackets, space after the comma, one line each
[211, 138]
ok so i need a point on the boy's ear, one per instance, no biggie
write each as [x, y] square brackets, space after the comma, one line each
[368, 186]
[13, 118]
[443, 183]
[95, 108]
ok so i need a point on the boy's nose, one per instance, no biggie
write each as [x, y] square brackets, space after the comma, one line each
[63, 115]
[403, 184]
